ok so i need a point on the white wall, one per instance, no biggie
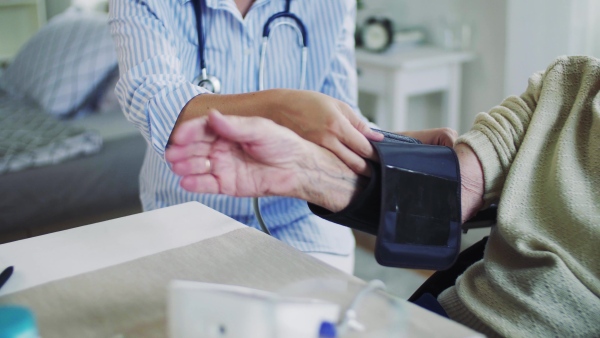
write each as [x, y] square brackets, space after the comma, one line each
[511, 38]
[483, 78]
[90, 4]
[428, 15]
[54, 7]
[592, 42]
[19, 21]
[541, 30]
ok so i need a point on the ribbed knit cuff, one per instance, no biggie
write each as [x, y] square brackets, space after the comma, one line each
[458, 312]
[492, 168]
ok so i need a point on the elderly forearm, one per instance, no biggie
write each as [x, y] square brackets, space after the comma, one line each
[472, 182]
[328, 182]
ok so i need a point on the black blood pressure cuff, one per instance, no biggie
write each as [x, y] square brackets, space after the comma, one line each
[411, 203]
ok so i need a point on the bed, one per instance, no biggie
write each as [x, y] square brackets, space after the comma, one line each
[68, 156]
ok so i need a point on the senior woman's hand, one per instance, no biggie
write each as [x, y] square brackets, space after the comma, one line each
[252, 157]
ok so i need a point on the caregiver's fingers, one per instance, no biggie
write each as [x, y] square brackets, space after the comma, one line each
[192, 166]
[360, 125]
[194, 130]
[354, 140]
[350, 158]
[357, 137]
[178, 153]
[201, 184]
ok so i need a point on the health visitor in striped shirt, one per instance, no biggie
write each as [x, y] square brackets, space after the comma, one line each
[160, 61]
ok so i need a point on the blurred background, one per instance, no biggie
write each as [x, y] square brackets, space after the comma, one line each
[420, 64]
[508, 39]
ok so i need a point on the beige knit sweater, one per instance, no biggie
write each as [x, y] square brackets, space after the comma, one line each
[540, 152]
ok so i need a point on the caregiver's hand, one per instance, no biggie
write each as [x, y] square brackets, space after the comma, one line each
[251, 156]
[329, 123]
[316, 117]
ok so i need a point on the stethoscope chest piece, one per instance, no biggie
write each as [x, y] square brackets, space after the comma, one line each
[208, 82]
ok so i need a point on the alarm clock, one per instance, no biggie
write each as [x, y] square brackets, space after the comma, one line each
[377, 34]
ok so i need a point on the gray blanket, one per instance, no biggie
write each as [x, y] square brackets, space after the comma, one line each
[31, 138]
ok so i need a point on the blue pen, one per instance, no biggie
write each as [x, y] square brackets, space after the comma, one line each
[5, 275]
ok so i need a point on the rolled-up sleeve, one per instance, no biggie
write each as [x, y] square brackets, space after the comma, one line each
[496, 136]
[152, 88]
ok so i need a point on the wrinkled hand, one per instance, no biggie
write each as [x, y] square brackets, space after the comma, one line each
[330, 123]
[253, 157]
[436, 137]
[248, 156]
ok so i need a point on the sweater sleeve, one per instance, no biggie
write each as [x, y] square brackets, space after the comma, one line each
[496, 136]
[540, 274]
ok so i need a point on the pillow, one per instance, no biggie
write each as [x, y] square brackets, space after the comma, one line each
[103, 99]
[61, 65]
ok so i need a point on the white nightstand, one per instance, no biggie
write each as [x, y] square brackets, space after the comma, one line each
[394, 76]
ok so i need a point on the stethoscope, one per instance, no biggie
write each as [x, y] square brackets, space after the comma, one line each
[213, 84]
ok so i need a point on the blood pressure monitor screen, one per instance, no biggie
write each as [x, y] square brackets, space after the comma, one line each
[423, 211]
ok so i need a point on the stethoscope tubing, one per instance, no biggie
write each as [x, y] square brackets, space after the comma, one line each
[263, 56]
[301, 31]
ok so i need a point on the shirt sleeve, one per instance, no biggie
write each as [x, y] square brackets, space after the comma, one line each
[341, 82]
[152, 88]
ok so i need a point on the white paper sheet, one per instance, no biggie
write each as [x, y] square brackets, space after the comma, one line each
[58, 255]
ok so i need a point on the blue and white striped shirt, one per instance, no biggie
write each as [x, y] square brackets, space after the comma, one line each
[157, 47]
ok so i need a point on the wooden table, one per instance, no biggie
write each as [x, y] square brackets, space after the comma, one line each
[111, 278]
